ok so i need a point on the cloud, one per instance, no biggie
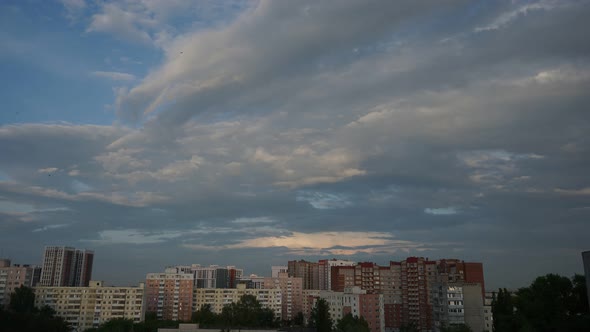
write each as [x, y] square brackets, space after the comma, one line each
[113, 75]
[132, 236]
[322, 243]
[125, 24]
[349, 123]
[441, 211]
[50, 227]
[574, 192]
[47, 170]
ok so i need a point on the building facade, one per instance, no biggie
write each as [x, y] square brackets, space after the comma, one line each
[217, 298]
[214, 276]
[291, 293]
[307, 271]
[325, 271]
[170, 294]
[88, 307]
[15, 276]
[66, 266]
[355, 301]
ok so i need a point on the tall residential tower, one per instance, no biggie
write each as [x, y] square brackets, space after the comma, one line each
[66, 266]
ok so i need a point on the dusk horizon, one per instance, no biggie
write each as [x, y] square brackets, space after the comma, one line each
[252, 133]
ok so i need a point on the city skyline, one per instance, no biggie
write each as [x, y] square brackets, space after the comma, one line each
[253, 133]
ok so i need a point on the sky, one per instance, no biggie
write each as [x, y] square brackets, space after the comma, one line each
[250, 133]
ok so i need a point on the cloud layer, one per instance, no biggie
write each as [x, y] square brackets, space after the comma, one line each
[371, 130]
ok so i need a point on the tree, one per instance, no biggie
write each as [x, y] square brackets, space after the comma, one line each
[503, 311]
[205, 316]
[22, 300]
[410, 327]
[247, 313]
[551, 303]
[456, 328]
[320, 316]
[299, 319]
[350, 323]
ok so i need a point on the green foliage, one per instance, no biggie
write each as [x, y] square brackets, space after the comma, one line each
[205, 317]
[552, 303]
[246, 313]
[22, 316]
[456, 328]
[320, 316]
[410, 327]
[350, 323]
[22, 300]
[116, 325]
[299, 319]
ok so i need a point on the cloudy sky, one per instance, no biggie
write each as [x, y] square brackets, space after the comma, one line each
[161, 132]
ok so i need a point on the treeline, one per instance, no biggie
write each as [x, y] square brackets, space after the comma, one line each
[22, 315]
[552, 303]
[246, 313]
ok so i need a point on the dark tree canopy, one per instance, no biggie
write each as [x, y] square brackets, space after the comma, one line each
[552, 303]
[456, 328]
[23, 316]
[22, 300]
[320, 316]
[350, 323]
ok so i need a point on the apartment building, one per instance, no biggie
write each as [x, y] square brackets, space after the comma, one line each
[325, 271]
[291, 293]
[66, 266]
[217, 298]
[307, 271]
[276, 269]
[213, 276]
[88, 307]
[355, 301]
[170, 294]
[15, 276]
[458, 303]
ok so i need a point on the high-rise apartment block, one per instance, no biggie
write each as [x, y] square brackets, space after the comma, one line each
[212, 276]
[307, 271]
[14, 276]
[66, 266]
[88, 307]
[291, 293]
[325, 271]
[409, 288]
[276, 269]
[170, 294]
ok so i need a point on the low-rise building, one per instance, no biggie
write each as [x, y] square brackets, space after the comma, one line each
[88, 307]
[13, 276]
[217, 298]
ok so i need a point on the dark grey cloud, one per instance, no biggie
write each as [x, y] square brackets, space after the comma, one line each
[442, 129]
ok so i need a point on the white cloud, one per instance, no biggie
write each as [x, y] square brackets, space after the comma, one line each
[47, 170]
[133, 236]
[113, 75]
[446, 211]
[50, 227]
[322, 243]
[574, 192]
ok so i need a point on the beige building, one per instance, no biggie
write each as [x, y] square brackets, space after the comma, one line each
[170, 294]
[87, 307]
[291, 290]
[14, 276]
[219, 297]
[353, 300]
